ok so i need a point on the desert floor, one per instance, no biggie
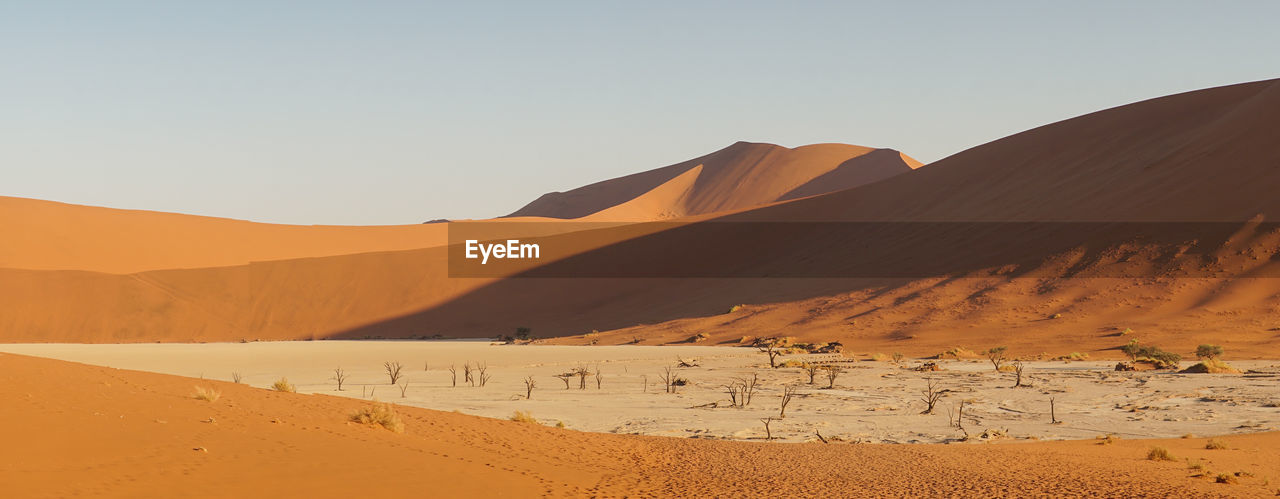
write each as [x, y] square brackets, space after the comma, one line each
[71, 429]
[871, 402]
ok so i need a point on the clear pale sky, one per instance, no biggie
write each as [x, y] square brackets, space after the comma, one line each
[342, 112]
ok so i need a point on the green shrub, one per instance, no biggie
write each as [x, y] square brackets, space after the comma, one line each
[1208, 351]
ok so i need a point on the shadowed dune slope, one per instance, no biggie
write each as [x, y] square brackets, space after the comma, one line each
[119, 433]
[44, 235]
[743, 175]
[1207, 155]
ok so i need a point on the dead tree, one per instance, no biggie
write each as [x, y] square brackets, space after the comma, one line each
[832, 373]
[453, 372]
[1017, 369]
[393, 370]
[741, 390]
[931, 395]
[582, 372]
[565, 378]
[787, 393]
[481, 376]
[668, 379]
[960, 417]
[403, 388]
[768, 435]
[996, 356]
[811, 370]
[529, 385]
[1053, 417]
[599, 377]
[732, 390]
[338, 375]
[772, 347]
[466, 374]
[645, 379]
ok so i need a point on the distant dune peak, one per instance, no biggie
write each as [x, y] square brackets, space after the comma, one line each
[740, 176]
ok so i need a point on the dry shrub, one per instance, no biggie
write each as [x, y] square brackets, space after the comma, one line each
[1212, 366]
[1215, 444]
[957, 353]
[1107, 439]
[209, 394]
[1159, 454]
[1225, 478]
[283, 385]
[1073, 356]
[379, 414]
[879, 357]
[523, 417]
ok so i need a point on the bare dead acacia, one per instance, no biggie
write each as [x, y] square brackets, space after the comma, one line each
[599, 377]
[529, 385]
[742, 389]
[466, 374]
[1017, 369]
[768, 435]
[236, 378]
[811, 370]
[833, 372]
[582, 372]
[393, 370]
[482, 375]
[1053, 416]
[403, 388]
[453, 372]
[340, 376]
[565, 378]
[931, 395]
[787, 393]
[668, 379]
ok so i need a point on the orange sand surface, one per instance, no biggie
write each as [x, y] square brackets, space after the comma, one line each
[71, 429]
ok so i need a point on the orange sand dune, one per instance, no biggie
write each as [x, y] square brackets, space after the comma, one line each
[44, 235]
[75, 430]
[742, 175]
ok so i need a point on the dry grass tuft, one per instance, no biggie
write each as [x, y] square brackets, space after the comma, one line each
[1215, 444]
[523, 417]
[283, 385]
[1159, 454]
[1107, 439]
[1225, 478]
[379, 414]
[208, 394]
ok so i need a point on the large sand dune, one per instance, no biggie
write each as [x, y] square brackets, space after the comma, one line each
[743, 175]
[83, 430]
[44, 235]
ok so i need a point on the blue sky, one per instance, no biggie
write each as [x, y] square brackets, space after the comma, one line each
[399, 112]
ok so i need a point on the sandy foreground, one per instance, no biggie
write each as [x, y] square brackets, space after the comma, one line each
[869, 402]
[72, 429]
